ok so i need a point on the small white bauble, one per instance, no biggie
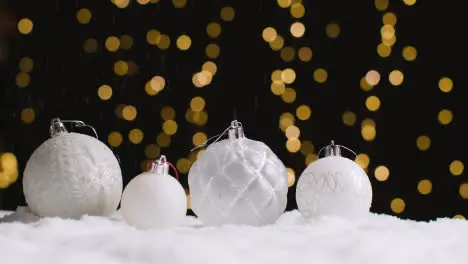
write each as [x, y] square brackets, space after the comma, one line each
[333, 185]
[154, 199]
[238, 181]
[71, 175]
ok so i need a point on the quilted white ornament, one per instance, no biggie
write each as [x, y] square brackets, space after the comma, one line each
[71, 175]
[154, 199]
[238, 181]
[333, 185]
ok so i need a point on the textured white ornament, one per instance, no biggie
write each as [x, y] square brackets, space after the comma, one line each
[238, 181]
[154, 199]
[71, 175]
[333, 185]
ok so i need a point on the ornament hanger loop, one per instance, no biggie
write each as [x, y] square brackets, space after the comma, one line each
[57, 126]
[235, 127]
[334, 150]
[161, 166]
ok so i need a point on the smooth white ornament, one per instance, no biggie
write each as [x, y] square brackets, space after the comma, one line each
[333, 185]
[71, 175]
[238, 181]
[154, 199]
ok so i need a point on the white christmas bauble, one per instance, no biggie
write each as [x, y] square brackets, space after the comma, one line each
[333, 185]
[153, 200]
[238, 181]
[71, 175]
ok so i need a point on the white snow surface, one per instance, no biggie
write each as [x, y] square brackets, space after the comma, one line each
[373, 239]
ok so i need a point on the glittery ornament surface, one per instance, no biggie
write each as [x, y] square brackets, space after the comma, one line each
[238, 181]
[71, 175]
[333, 186]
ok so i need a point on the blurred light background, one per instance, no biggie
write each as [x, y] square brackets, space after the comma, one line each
[384, 78]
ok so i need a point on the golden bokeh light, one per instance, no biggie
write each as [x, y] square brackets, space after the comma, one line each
[269, 34]
[105, 92]
[381, 173]
[320, 75]
[368, 132]
[22, 79]
[112, 43]
[126, 42]
[201, 79]
[276, 76]
[396, 77]
[365, 86]
[297, 29]
[423, 143]
[305, 54]
[381, 5]
[373, 77]
[143, 2]
[83, 16]
[132, 67]
[387, 33]
[390, 41]
[288, 54]
[157, 83]
[409, 53]
[165, 42]
[389, 18]
[286, 120]
[373, 103]
[278, 88]
[456, 168]
[425, 187]
[289, 95]
[362, 160]
[445, 84]
[121, 3]
[277, 44]
[183, 42]
[297, 10]
[28, 115]
[210, 67]
[152, 151]
[183, 165]
[288, 76]
[135, 136]
[227, 13]
[464, 190]
[445, 116]
[293, 132]
[129, 112]
[384, 50]
[168, 113]
[398, 205]
[153, 37]
[197, 104]
[212, 51]
[307, 147]
[170, 127]
[121, 68]
[90, 45]
[26, 64]
[284, 3]
[25, 26]
[8, 169]
[458, 216]
[303, 112]
[349, 118]
[179, 3]
[333, 30]
[367, 122]
[163, 140]
[199, 138]
[114, 139]
[213, 29]
[409, 2]
[293, 145]
[291, 177]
